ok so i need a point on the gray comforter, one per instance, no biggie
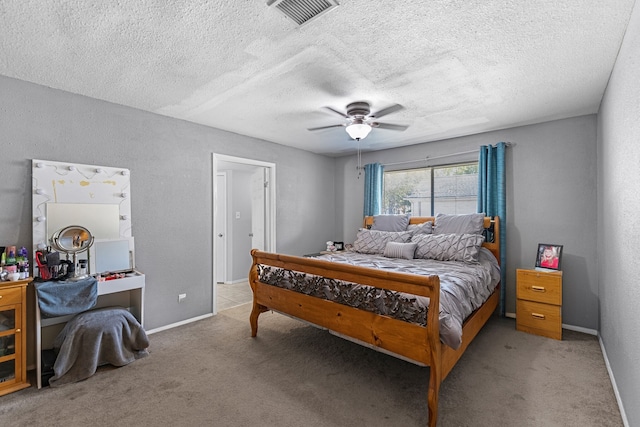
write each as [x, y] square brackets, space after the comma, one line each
[463, 288]
[104, 336]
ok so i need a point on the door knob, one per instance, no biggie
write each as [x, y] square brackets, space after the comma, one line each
[220, 235]
[250, 234]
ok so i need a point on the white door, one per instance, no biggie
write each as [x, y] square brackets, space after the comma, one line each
[221, 228]
[258, 199]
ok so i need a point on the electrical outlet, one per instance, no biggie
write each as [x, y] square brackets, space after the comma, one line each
[181, 297]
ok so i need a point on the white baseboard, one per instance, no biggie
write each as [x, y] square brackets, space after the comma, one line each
[153, 331]
[565, 326]
[181, 323]
[580, 329]
[233, 282]
[623, 414]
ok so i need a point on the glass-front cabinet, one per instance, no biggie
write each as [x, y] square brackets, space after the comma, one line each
[13, 336]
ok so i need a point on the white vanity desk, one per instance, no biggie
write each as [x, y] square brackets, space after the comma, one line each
[127, 292]
[98, 199]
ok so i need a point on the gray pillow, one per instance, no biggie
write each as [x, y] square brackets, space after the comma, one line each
[390, 222]
[400, 250]
[375, 241]
[448, 247]
[459, 224]
[422, 228]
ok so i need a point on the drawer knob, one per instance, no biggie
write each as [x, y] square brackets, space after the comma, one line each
[538, 315]
[538, 288]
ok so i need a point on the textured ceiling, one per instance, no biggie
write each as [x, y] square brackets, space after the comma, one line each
[457, 66]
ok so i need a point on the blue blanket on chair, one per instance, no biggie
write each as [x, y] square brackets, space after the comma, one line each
[66, 297]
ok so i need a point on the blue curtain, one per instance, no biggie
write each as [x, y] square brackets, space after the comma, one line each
[492, 200]
[373, 173]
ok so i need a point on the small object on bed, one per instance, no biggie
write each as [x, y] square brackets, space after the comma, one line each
[109, 335]
[330, 246]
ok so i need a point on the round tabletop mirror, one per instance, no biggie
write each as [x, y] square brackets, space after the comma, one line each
[72, 239]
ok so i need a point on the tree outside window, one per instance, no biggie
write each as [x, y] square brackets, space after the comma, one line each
[451, 189]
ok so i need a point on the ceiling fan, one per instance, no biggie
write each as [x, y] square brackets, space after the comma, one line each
[360, 121]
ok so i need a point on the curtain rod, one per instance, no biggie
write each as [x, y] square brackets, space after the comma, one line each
[437, 157]
[430, 158]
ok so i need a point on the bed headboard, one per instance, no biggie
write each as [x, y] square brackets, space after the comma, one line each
[491, 227]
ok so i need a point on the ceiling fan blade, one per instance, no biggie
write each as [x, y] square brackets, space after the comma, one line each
[388, 110]
[341, 114]
[326, 127]
[389, 126]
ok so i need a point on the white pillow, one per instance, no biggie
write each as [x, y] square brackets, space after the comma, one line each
[400, 250]
[375, 241]
[448, 247]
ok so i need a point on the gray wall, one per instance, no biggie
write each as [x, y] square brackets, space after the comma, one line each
[551, 198]
[171, 179]
[618, 224]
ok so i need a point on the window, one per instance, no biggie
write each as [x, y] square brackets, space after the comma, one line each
[451, 189]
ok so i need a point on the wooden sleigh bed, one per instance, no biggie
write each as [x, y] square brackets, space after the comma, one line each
[409, 341]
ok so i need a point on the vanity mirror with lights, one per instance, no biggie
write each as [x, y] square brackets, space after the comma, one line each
[83, 212]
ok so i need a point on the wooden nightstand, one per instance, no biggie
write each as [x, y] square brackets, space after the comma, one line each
[539, 302]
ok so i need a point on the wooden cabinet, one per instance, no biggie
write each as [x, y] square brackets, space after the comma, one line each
[13, 336]
[539, 302]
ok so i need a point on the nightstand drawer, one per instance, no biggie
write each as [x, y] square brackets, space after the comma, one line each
[10, 296]
[539, 286]
[540, 319]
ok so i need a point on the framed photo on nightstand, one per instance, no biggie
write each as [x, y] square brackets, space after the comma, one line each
[549, 256]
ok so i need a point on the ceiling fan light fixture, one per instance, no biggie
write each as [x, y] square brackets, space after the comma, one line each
[358, 131]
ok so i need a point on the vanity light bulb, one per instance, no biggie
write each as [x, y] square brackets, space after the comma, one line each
[41, 219]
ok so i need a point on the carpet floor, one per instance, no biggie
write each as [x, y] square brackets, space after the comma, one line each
[211, 372]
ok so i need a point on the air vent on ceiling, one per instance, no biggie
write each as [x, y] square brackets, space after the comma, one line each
[302, 11]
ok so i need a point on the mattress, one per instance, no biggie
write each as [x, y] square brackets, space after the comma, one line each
[464, 287]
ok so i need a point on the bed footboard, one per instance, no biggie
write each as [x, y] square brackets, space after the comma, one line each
[419, 343]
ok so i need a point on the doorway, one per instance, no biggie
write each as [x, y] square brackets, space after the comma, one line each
[243, 218]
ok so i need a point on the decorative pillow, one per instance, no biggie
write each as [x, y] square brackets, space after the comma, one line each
[390, 222]
[375, 241]
[448, 247]
[400, 250]
[422, 228]
[459, 224]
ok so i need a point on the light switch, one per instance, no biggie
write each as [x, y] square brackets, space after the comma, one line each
[237, 215]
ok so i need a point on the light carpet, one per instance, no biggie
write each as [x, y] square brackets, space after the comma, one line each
[213, 373]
